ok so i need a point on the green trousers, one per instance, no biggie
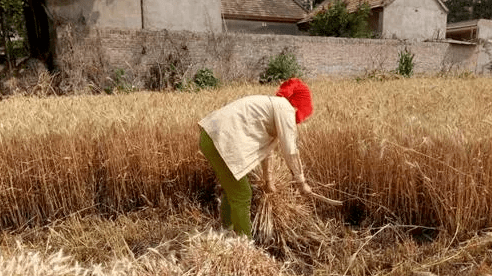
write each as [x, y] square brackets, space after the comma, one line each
[236, 199]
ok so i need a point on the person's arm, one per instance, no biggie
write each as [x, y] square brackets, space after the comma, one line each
[286, 127]
[266, 165]
[294, 163]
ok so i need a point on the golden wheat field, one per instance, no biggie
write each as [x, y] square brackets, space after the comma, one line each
[116, 185]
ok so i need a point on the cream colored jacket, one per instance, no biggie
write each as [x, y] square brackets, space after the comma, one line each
[247, 130]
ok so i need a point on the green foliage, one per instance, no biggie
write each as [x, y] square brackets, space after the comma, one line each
[405, 63]
[336, 21]
[317, 2]
[466, 74]
[359, 24]
[331, 22]
[204, 78]
[461, 10]
[482, 9]
[171, 67]
[17, 49]
[281, 67]
[120, 82]
[13, 26]
[13, 13]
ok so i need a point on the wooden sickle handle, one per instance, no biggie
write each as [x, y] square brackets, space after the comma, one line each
[327, 200]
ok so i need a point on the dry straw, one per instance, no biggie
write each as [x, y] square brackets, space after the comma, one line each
[285, 222]
[139, 244]
[214, 253]
[145, 243]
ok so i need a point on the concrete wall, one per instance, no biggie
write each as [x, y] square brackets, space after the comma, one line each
[484, 29]
[192, 15]
[125, 14]
[484, 35]
[416, 20]
[246, 55]
[484, 63]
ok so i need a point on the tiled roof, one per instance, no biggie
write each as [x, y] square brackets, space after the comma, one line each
[463, 24]
[306, 4]
[353, 4]
[265, 10]
[351, 7]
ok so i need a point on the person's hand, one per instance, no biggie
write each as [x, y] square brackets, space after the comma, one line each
[270, 187]
[304, 188]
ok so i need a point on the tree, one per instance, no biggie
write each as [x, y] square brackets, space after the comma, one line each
[336, 21]
[29, 23]
[317, 2]
[12, 29]
[358, 21]
[482, 9]
[40, 32]
[461, 10]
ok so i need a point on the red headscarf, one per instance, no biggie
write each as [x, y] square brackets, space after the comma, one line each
[299, 96]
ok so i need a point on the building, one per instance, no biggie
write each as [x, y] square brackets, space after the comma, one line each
[189, 15]
[472, 30]
[421, 20]
[477, 32]
[262, 16]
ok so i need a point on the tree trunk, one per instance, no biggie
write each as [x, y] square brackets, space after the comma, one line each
[6, 40]
[40, 32]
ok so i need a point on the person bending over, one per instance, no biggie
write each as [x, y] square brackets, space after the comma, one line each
[241, 135]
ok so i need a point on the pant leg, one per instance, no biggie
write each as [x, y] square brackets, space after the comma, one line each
[237, 193]
[239, 196]
[225, 211]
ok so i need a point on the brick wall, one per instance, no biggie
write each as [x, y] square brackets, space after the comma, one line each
[235, 56]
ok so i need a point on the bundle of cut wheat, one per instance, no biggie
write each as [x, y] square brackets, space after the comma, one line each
[284, 221]
[221, 253]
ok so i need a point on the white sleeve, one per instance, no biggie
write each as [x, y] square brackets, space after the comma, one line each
[286, 127]
[294, 163]
[266, 165]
